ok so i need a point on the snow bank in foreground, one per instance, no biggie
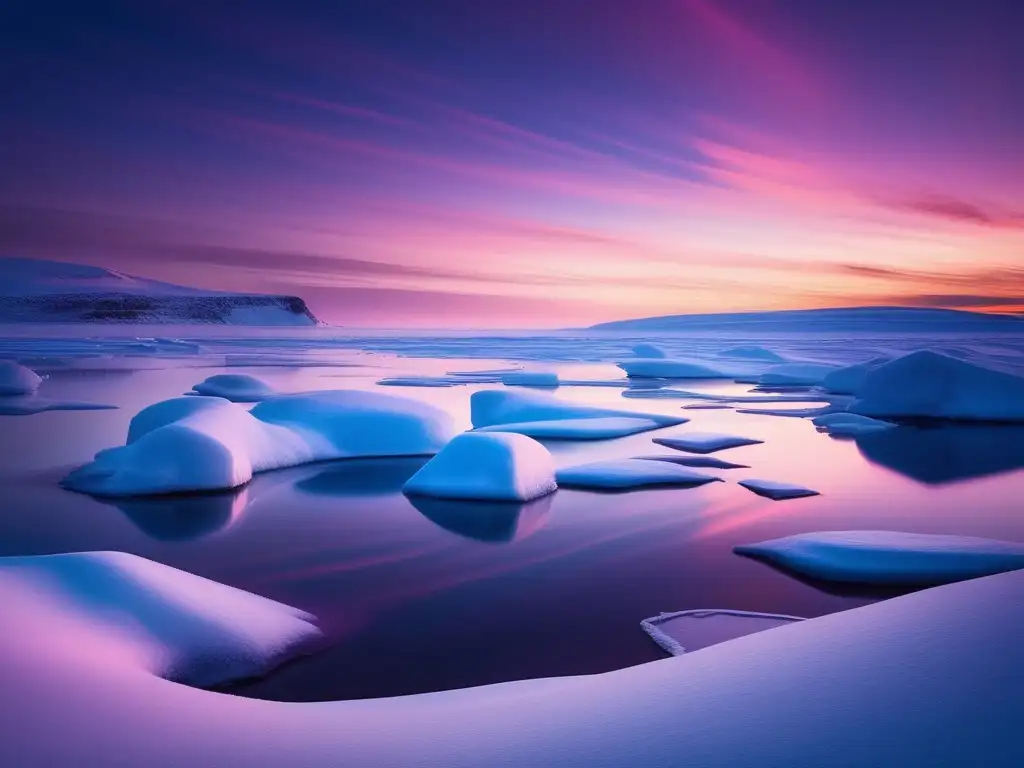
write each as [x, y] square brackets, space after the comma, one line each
[777, 491]
[492, 466]
[17, 379]
[625, 474]
[888, 557]
[927, 679]
[687, 631]
[932, 385]
[796, 374]
[602, 428]
[649, 351]
[530, 379]
[705, 442]
[849, 424]
[490, 407]
[207, 443]
[667, 368]
[190, 629]
[752, 352]
[237, 387]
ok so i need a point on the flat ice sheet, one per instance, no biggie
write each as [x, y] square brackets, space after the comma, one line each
[708, 462]
[777, 491]
[627, 474]
[705, 442]
[684, 631]
[601, 428]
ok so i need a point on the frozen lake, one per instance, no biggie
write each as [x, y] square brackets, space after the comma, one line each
[430, 595]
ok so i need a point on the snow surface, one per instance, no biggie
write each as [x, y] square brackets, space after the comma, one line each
[668, 368]
[530, 379]
[705, 442]
[17, 379]
[933, 385]
[708, 462]
[649, 351]
[775, 490]
[627, 474]
[236, 387]
[796, 374]
[687, 631]
[208, 443]
[888, 557]
[926, 679]
[190, 629]
[753, 352]
[490, 407]
[845, 424]
[599, 428]
[491, 466]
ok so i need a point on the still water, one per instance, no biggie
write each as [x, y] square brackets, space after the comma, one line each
[422, 595]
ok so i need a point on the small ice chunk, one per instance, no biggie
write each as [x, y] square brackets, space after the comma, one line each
[752, 352]
[705, 442]
[236, 387]
[708, 462]
[796, 374]
[888, 557]
[577, 429]
[627, 474]
[845, 424]
[17, 379]
[776, 490]
[687, 631]
[667, 368]
[530, 379]
[490, 407]
[649, 351]
[493, 466]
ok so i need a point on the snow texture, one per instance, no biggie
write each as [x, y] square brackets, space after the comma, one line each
[17, 379]
[489, 466]
[687, 631]
[705, 442]
[236, 387]
[888, 557]
[933, 385]
[600, 428]
[628, 474]
[707, 462]
[490, 407]
[777, 491]
[207, 443]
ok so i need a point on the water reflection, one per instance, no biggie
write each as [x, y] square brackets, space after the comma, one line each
[183, 518]
[938, 454]
[361, 477]
[496, 522]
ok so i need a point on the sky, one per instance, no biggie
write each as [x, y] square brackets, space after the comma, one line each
[524, 163]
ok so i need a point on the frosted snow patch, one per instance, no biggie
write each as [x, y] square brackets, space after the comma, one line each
[777, 491]
[888, 557]
[686, 631]
[628, 474]
[705, 442]
[236, 387]
[491, 407]
[601, 428]
[492, 466]
[17, 379]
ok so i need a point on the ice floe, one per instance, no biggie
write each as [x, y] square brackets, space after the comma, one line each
[667, 368]
[17, 379]
[236, 387]
[845, 424]
[682, 632]
[933, 385]
[776, 490]
[796, 374]
[705, 442]
[206, 443]
[530, 379]
[888, 557]
[493, 466]
[186, 628]
[848, 380]
[708, 462]
[649, 351]
[753, 352]
[627, 474]
[491, 407]
[600, 428]
[30, 404]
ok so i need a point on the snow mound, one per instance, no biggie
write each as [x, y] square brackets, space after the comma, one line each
[796, 374]
[530, 379]
[627, 474]
[236, 387]
[191, 630]
[705, 442]
[845, 424]
[932, 385]
[649, 351]
[707, 462]
[888, 557]
[668, 368]
[752, 352]
[207, 443]
[17, 379]
[849, 380]
[490, 407]
[493, 466]
[777, 491]
[686, 631]
[601, 428]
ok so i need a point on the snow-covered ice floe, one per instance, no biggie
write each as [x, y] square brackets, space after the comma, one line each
[845, 424]
[208, 443]
[682, 632]
[628, 474]
[932, 385]
[180, 626]
[708, 462]
[649, 351]
[493, 466]
[705, 442]
[17, 379]
[601, 428]
[926, 679]
[777, 491]
[668, 368]
[888, 557]
[491, 407]
[236, 387]
[530, 379]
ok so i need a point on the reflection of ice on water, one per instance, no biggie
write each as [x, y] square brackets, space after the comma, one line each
[184, 517]
[490, 521]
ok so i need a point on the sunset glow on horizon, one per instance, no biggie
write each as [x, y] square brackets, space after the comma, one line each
[526, 164]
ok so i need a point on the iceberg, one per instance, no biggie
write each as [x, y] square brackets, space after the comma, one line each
[530, 379]
[777, 491]
[888, 557]
[602, 428]
[708, 462]
[848, 380]
[208, 443]
[491, 407]
[186, 628]
[932, 385]
[705, 442]
[845, 424]
[796, 375]
[628, 474]
[17, 379]
[236, 387]
[487, 466]
[649, 351]
[682, 632]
